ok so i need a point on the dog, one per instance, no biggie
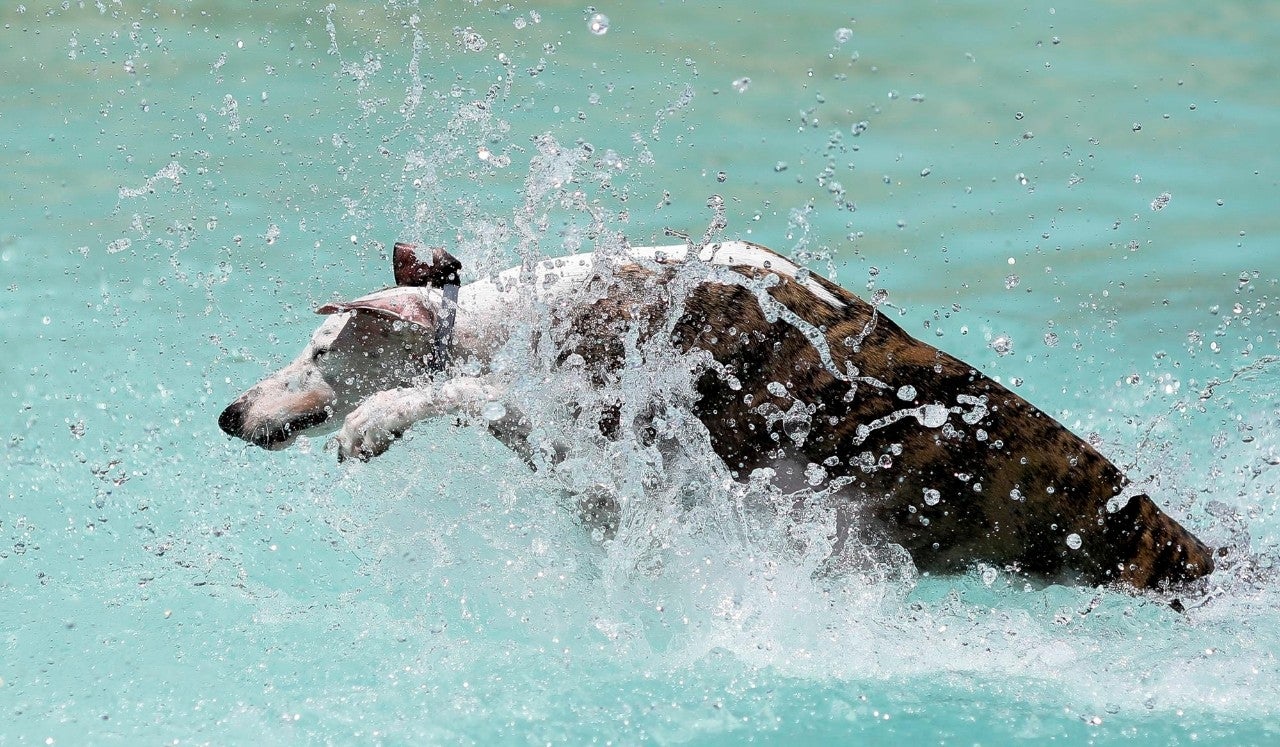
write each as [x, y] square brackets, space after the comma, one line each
[795, 379]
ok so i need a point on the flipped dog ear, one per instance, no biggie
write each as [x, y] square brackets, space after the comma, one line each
[404, 307]
[438, 271]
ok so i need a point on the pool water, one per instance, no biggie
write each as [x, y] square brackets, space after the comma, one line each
[1079, 201]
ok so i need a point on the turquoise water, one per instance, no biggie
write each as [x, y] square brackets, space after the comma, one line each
[187, 180]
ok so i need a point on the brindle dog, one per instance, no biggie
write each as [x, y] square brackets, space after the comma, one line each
[955, 467]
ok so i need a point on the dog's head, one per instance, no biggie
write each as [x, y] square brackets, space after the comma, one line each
[388, 339]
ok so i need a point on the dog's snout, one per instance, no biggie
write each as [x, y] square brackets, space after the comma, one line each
[231, 421]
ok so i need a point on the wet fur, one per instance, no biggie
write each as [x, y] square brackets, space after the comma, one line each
[1064, 484]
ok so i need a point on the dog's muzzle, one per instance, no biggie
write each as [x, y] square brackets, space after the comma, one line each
[269, 434]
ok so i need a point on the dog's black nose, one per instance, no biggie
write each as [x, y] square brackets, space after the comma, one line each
[232, 420]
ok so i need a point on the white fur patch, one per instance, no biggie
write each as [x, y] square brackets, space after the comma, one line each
[565, 274]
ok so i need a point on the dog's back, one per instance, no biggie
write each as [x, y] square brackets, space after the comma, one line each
[957, 468]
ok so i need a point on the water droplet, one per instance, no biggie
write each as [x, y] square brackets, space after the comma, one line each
[493, 411]
[932, 497]
[1074, 541]
[741, 84]
[843, 35]
[989, 575]
[1011, 282]
[777, 388]
[598, 24]
[932, 416]
[1051, 339]
[907, 393]
[1159, 202]
[1002, 344]
[780, 166]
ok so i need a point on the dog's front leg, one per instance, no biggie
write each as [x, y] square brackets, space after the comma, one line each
[384, 416]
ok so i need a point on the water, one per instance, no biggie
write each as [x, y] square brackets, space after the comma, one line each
[188, 181]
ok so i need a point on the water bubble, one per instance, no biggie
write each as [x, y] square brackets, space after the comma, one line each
[1051, 339]
[932, 416]
[1011, 282]
[780, 166]
[1002, 344]
[932, 497]
[843, 35]
[859, 127]
[741, 84]
[907, 393]
[1159, 202]
[598, 24]
[1074, 541]
[777, 388]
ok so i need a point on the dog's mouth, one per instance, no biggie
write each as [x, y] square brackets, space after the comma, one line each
[273, 435]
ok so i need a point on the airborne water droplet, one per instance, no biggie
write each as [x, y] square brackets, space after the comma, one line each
[598, 24]
[932, 497]
[1074, 541]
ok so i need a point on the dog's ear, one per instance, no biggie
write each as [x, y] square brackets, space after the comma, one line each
[441, 269]
[405, 307]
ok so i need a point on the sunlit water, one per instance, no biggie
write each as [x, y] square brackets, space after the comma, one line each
[1079, 202]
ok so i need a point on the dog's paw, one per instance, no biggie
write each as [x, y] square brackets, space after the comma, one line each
[370, 429]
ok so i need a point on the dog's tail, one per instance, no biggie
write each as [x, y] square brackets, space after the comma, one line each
[1151, 550]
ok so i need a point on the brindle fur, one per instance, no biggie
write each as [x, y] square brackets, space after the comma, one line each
[1064, 484]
